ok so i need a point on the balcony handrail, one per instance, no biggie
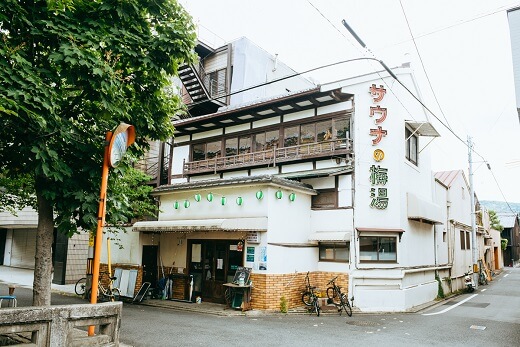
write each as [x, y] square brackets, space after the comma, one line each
[270, 156]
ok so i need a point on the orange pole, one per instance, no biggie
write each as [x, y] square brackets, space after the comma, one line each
[99, 231]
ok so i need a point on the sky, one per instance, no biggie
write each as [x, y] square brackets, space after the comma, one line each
[460, 52]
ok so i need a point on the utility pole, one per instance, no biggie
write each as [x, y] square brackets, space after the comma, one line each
[473, 226]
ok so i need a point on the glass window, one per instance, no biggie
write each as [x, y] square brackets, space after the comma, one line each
[375, 248]
[231, 147]
[411, 146]
[308, 133]
[198, 152]
[244, 145]
[334, 251]
[290, 136]
[271, 139]
[341, 128]
[213, 149]
[462, 240]
[468, 244]
[258, 142]
[324, 131]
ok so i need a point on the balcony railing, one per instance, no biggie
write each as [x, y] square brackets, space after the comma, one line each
[273, 156]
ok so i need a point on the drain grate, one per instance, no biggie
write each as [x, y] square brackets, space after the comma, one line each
[362, 323]
[476, 304]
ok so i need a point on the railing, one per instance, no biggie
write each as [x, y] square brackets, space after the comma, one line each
[57, 326]
[270, 157]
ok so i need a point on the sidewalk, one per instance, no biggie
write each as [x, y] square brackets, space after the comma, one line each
[24, 278]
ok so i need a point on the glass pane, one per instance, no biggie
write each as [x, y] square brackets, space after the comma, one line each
[258, 142]
[307, 133]
[324, 130]
[341, 128]
[342, 252]
[198, 152]
[413, 149]
[367, 248]
[231, 147]
[290, 136]
[245, 145]
[387, 248]
[271, 139]
[326, 251]
[213, 150]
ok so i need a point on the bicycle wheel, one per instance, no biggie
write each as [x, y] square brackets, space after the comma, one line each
[116, 294]
[345, 305]
[228, 295]
[332, 295]
[307, 298]
[316, 306]
[80, 286]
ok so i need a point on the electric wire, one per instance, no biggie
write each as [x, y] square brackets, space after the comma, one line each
[422, 63]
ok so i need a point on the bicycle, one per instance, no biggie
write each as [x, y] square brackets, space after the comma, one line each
[339, 299]
[111, 294]
[310, 298]
[482, 277]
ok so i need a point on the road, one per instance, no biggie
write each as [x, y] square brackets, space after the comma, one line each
[489, 318]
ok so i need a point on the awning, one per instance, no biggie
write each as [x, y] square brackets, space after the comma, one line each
[423, 128]
[190, 225]
[331, 236]
[423, 211]
[380, 230]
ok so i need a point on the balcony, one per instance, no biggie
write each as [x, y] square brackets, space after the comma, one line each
[271, 157]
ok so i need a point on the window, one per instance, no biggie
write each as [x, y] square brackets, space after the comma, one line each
[231, 146]
[199, 152]
[326, 199]
[465, 242]
[213, 150]
[335, 251]
[412, 142]
[324, 131]
[377, 248]
[244, 145]
[308, 133]
[290, 137]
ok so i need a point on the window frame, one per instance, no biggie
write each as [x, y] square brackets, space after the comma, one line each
[378, 260]
[411, 138]
[334, 245]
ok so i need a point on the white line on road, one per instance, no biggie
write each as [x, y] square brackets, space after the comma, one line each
[483, 290]
[451, 307]
[506, 275]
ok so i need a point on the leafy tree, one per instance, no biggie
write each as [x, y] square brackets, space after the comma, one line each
[494, 221]
[70, 71]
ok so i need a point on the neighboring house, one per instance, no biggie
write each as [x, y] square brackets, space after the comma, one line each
[18, 247]
[511, 233]
[302, 182]
[454, 239]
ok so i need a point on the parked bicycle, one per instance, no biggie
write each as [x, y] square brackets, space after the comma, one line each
[482, 277]
[310, 297]
[106, 293]
[339, 299]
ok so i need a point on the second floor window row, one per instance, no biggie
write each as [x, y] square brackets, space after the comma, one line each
[322, 131]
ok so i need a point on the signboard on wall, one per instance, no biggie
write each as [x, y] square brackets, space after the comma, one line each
[253, 237]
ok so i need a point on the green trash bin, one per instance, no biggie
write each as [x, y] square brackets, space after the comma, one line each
[237, 299]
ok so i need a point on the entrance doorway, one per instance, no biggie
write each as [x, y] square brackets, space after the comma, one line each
[213, 263]
[149, 262]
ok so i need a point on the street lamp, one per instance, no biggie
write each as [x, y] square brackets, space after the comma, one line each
[116, 144]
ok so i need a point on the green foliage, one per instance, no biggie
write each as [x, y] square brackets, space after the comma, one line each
[495, 221]
[440, 290]
[16, 193]
[284, 305]
[503, 244]
[72, 70]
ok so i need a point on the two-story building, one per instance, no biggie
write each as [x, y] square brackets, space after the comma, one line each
[333, 179]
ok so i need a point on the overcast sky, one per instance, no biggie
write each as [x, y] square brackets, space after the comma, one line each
[464, 47]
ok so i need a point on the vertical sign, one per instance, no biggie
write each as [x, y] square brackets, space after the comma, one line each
[378, 174]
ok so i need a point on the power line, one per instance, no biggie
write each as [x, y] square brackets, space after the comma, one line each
[422, 64]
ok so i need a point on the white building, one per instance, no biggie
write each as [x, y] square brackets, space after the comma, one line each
[332, 180]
